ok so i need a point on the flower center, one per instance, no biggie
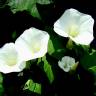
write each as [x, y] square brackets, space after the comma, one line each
[11, 62]
[35, 47]
[65, 66]
[73, 31]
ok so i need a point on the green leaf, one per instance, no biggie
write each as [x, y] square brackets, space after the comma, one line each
[32, 86]
[44, 1]
[51, 48]
[37, 88]
[56, 44]
[89, 61]
[1, 85]
[29, 63]
[48, 69]
[56, 49]
[1, 90]
[3, 3]
[1, 78]
[86, 47]
[14, 34]
[28, 5]
[39, 60]
[58, 54]
[93, 69]
[92, 51]
[34, 12]
[21, 5]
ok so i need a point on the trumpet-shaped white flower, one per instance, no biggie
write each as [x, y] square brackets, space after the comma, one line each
[67, 63]
[32, 44]
[75, 25]
[9, 59]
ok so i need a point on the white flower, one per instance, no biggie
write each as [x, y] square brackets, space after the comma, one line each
[32, 44]
[75, 25]
[67, 63]
[9, 59]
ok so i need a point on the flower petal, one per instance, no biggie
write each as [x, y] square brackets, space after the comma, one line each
[8, 53]
[66, 63]
[75, 25]
[32, 44]
[61, 65]
[68, 60]
[4, 68]
[9, 59]
[70, 17]
[59, 29]
[84, 38]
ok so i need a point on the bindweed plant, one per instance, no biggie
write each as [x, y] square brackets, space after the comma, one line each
[46, 54]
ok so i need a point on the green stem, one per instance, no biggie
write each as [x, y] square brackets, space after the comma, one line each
[69, 44]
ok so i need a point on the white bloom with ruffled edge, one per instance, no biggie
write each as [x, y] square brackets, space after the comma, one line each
[75, 25]
[9, 59]
[32, 44]
[67, 63]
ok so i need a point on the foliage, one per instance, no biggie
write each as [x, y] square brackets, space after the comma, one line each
[46, 78]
